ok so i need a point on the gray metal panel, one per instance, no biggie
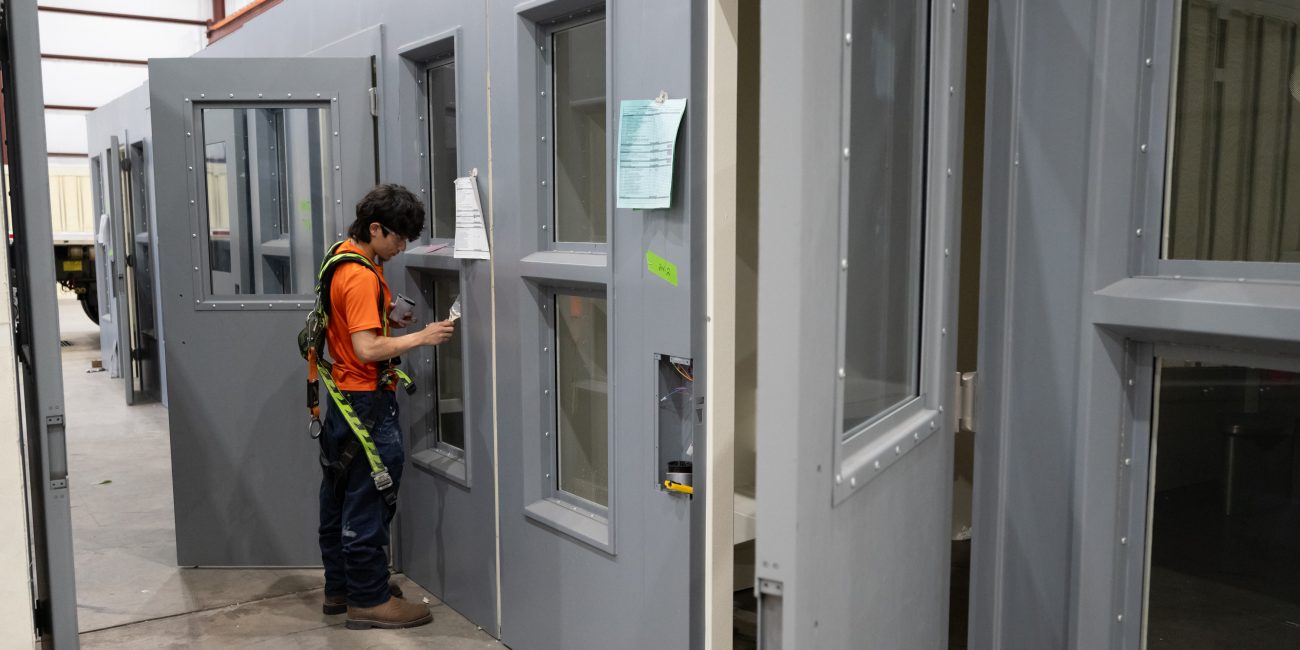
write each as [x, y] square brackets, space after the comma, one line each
[103, 269]
[1075, 175]
[445, 534]
[244, 471]
[1254, 312]
[869, 564]
[1039, 94]
[116, 256]
[127, 119]
[557, 591]
[448, 528]
[145, 325]
[36, 329]
[121, 269]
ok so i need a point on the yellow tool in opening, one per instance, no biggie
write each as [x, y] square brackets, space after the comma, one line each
[678, 487]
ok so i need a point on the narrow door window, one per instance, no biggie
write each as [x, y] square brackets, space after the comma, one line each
[883, 244]
[440, 80]
[582, 397]
[450, 371]
[577, 109]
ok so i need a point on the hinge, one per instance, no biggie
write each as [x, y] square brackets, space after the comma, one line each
[125, 163]
[965, 411]
[41, 616]
[374, 102]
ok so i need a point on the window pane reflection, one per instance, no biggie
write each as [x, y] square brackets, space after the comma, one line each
[442, 148]
[1234, 184]
[269, 188]
[579, 105]
[1224, 566]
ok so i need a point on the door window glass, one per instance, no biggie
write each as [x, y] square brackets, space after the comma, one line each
[441, 83]
[269, 195]
[582, 397]
[1234, 168]
[451, 386]
[883, 248]
[1223, 522]
[578, 110]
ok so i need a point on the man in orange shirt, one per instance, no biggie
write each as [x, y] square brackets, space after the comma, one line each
[354, 515]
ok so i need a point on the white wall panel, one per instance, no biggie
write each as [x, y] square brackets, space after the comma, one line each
[74, 83]
[117, 38]
[65, 131]
[189, 9]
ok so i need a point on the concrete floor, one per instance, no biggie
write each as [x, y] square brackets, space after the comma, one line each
[130, 593]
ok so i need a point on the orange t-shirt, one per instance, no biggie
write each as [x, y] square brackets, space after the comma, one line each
[354, 306]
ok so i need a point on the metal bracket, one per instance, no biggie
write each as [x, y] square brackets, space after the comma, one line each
[374, 102]
[771, 587]
[964, 413]
[51, 420]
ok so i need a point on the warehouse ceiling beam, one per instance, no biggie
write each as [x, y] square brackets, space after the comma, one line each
[91, 59]
[114, 14]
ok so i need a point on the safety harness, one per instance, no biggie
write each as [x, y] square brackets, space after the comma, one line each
[311, 343]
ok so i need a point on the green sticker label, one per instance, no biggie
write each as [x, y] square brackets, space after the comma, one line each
[305, 205]
[661, 267]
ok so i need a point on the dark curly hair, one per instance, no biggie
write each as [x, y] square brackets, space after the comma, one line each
[391, 206]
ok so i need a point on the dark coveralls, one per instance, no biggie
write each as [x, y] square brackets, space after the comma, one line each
[353, 514]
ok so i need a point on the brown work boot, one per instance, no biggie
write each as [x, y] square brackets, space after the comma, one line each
[339, 604]
[394, 613]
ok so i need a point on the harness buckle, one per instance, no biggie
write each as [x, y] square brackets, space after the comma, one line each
[382, 480]
[314, 428]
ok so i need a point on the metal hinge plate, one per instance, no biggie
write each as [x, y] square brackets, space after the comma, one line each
[374, 102]
[965, 411]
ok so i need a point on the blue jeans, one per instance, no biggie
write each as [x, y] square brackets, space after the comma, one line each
[353, 516]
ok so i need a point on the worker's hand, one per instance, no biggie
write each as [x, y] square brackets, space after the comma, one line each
[438, 332]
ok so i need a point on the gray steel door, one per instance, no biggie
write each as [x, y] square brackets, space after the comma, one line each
[258, 163]
[859, 187]
[594, 352]
[121, 268]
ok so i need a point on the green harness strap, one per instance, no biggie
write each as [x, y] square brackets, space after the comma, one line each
[377, 469]
[387, 373]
